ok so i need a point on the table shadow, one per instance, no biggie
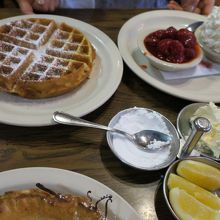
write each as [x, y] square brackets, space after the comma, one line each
[161, 208]
[124, 172]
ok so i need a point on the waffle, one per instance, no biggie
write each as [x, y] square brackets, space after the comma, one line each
[40, 58]
[32, 204]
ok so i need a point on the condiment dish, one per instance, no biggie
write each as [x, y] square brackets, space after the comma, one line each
[172, 169]
[136, 157]
[183, 123]
[184, 127]
[210, 54]
[168, 66]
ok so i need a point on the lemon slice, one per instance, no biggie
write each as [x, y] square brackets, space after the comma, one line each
[199, 193]
[187, 207]
[200, 173]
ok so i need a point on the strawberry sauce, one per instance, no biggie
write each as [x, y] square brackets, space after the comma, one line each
[172, 45]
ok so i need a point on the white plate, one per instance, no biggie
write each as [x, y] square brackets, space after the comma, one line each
[65, 181]
[105, 79]
[203, 89]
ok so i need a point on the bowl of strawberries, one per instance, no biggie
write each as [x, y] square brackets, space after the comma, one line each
[171, 49]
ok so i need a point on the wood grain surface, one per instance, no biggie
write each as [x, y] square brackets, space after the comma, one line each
[85, 150]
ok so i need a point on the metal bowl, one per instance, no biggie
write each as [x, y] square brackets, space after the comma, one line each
[172, 169]
[184, 127]
[138, 154]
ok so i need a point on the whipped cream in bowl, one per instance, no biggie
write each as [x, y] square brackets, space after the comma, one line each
[208, 35]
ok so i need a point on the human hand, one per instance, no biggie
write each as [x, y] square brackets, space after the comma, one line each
[27, 6]
[197, 6]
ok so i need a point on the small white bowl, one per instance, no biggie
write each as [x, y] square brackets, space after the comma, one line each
[210, 54]
[167, 66]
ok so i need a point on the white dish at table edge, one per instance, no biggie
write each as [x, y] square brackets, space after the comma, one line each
[64, 181]
[190, 89]
[103, 82]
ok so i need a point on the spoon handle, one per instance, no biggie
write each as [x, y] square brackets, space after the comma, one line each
[200, 126]
[64, 118]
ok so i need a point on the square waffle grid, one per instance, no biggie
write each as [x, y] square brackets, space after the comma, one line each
[69, 43]
[30, 33]
[11, 57]
[13, 61]
[47, 67]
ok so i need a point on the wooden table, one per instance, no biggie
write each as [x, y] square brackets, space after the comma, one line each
[85, 150]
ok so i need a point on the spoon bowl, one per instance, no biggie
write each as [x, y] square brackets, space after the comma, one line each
[151, 140]
[148, 140]
[193, 26]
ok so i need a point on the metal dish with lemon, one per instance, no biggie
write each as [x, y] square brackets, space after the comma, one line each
[185, 198]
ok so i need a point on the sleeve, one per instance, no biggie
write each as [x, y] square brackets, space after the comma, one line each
[77, 4]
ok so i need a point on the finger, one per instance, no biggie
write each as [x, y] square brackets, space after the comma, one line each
[57, 3]
[41, 5]
[46, 5]
[189, 5]
[25, 6]
[173, 5]
[207, 6]
[53, 5]
[197, 11]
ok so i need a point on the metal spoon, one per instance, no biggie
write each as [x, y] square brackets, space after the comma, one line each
[145, 140]
[192, 27]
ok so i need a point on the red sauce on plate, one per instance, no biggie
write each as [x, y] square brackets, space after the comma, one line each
[172, 45]
[207, 64]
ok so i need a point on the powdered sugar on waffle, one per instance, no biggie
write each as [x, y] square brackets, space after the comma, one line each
[11, 57]
[40, 49]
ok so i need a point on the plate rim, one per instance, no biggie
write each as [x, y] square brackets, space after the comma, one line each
[128, 59]
[53, 172]
[88, 107]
